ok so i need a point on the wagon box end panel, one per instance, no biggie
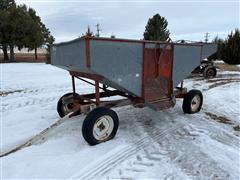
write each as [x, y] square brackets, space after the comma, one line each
[185, 59]
[208, 49]
[70, 55]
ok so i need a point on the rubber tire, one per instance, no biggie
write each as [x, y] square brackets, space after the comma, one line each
[206, 69]
[91, 118]
[186, 106]
[59, 105]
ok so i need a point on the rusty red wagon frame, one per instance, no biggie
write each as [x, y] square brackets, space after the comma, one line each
[84, 103]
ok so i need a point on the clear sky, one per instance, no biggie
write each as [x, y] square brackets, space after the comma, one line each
[188, 19]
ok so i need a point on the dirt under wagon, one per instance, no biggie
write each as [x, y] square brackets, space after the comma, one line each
[143, 73]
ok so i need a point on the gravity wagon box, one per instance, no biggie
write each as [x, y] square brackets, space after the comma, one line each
[143, 73]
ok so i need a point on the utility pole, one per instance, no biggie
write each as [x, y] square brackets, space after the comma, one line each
[98, 30]
[206, 36]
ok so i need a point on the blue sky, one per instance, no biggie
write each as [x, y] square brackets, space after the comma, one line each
[127, 19]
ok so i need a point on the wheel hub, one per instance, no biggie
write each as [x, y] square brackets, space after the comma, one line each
[103, 128]
[195, 104]
[70, 107]
[210, 72]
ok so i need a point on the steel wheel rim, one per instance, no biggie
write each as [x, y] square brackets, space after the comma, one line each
[65, 109]
[195, 103]
[210, 73]
[103, 128]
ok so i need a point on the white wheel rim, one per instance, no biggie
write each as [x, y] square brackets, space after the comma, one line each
[196, 101]
[103, 127]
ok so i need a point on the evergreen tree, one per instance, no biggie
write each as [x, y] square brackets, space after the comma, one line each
[49, 40]
[88, 32]
[6, 4]
[5, 25]
[156, 29]
[3, 35]
[231, 48]
[36, 33]
[21, 27]
[20, 24]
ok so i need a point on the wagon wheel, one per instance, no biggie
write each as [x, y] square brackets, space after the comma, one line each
[192, 102]
[209, 72]
[65, 108]
[100, 125]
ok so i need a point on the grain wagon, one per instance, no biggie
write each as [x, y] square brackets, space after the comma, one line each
[143, 73]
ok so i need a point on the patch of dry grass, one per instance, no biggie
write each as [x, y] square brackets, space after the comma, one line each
[221, 119]
[222, 83]
[224, 120]
[227, 67]
[236, 128]
[27, 57]
[2, 93]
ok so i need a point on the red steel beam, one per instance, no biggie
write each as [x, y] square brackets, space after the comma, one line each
[86, 75]
[97, 92]
[87, 40]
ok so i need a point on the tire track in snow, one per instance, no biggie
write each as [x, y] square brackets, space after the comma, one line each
[146, 161]
[191, 158]
[35, 100]
[119, 157]
[31, 102]
[24, 92]
[192, 161]
[217, 134]
[183, 151]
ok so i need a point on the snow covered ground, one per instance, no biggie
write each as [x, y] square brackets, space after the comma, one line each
[149, 145]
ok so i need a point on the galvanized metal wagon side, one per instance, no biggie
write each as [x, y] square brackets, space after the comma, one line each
[144, 73]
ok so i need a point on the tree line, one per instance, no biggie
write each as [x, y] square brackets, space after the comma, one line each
[21, 27]
[228, 49]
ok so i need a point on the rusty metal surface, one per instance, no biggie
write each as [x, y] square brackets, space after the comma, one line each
[157, 73]
[161, 104]
[86, 75]
[87, 40]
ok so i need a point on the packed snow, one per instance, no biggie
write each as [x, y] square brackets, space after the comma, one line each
[149, 145]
